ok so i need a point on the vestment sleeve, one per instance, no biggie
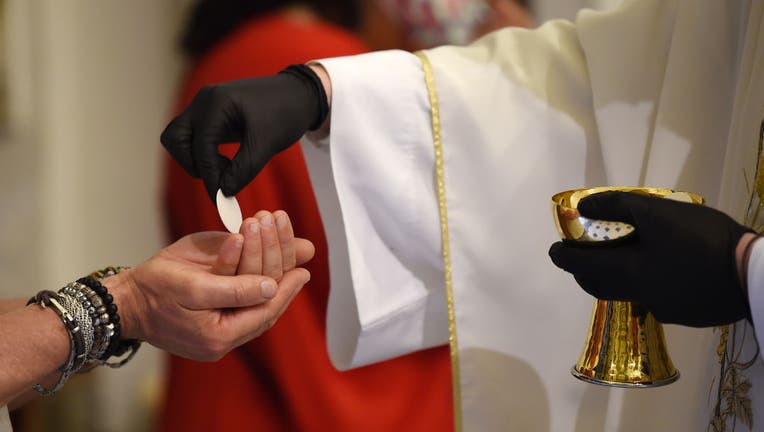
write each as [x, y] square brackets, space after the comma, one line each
[756, 288]
[5, 421]
[387, 293]
[387, 288]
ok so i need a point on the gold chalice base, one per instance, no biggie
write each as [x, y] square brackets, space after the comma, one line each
[625, 346]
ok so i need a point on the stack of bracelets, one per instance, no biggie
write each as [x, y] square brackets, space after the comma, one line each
[91, 319]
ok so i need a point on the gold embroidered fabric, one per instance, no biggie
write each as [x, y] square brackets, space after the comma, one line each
[733, 401]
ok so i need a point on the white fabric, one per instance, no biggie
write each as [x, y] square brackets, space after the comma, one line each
[5, 421]
[756, 288]
[647, 94]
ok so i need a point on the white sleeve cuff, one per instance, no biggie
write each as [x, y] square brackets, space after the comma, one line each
[756, 288]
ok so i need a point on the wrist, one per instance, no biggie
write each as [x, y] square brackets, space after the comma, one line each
[124, 288]
[742, 256]
[326, 82]
[323, 75]
[740, 259]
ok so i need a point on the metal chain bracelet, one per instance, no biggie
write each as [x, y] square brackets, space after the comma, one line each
[49, 299]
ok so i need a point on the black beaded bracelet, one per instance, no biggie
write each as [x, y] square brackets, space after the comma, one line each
[111, 310]
[117, 347]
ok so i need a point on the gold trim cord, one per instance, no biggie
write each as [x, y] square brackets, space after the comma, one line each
[441, 182]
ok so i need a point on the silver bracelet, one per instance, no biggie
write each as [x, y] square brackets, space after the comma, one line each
[103, 330]
[82, 317]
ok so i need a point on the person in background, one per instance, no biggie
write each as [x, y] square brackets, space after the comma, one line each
[285, 380]
[199, 298]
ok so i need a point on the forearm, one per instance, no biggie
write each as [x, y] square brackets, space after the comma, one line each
[10, 305]
[33, 345]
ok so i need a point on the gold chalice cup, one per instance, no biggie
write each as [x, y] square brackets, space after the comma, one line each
[625, 346]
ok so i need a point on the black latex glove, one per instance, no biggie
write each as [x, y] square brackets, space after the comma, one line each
[266, 115]
[680, 263]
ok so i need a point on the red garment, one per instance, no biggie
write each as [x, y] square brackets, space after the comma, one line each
[284, 380]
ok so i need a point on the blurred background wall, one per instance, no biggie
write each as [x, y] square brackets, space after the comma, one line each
[85, 88]
[88, 85]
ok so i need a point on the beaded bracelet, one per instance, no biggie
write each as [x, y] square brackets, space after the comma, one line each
[102, 274]
[117, 347]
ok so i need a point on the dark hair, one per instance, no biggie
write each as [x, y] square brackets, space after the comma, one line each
[209, 21]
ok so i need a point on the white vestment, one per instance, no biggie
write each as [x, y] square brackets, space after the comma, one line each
[660, 93]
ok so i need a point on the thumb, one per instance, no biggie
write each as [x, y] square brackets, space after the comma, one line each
[248, 162]
[250, 322]
[211, 177]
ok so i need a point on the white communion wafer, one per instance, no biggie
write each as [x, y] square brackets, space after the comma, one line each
[229, 211]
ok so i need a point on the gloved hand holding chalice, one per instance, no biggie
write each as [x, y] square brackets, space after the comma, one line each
[649, 256]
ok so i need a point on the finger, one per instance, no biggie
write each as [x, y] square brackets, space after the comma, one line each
[210, 291]
[176, 139]
[603, 272]
[593, 261]
[247, 323]
[245, 165]
[614, 206]
[272, 263]
[212, 185]
[209, 163]
[302, 276]
[211, 126]
[304, 250]
[229, 255]
[591, 286]
[604, 289]
[252, 254]
[286, 240]
[666, 315]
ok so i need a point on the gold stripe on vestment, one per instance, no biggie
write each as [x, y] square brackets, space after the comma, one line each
[429, 79]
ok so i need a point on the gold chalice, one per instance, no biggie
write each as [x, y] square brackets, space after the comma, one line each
[625, 346]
